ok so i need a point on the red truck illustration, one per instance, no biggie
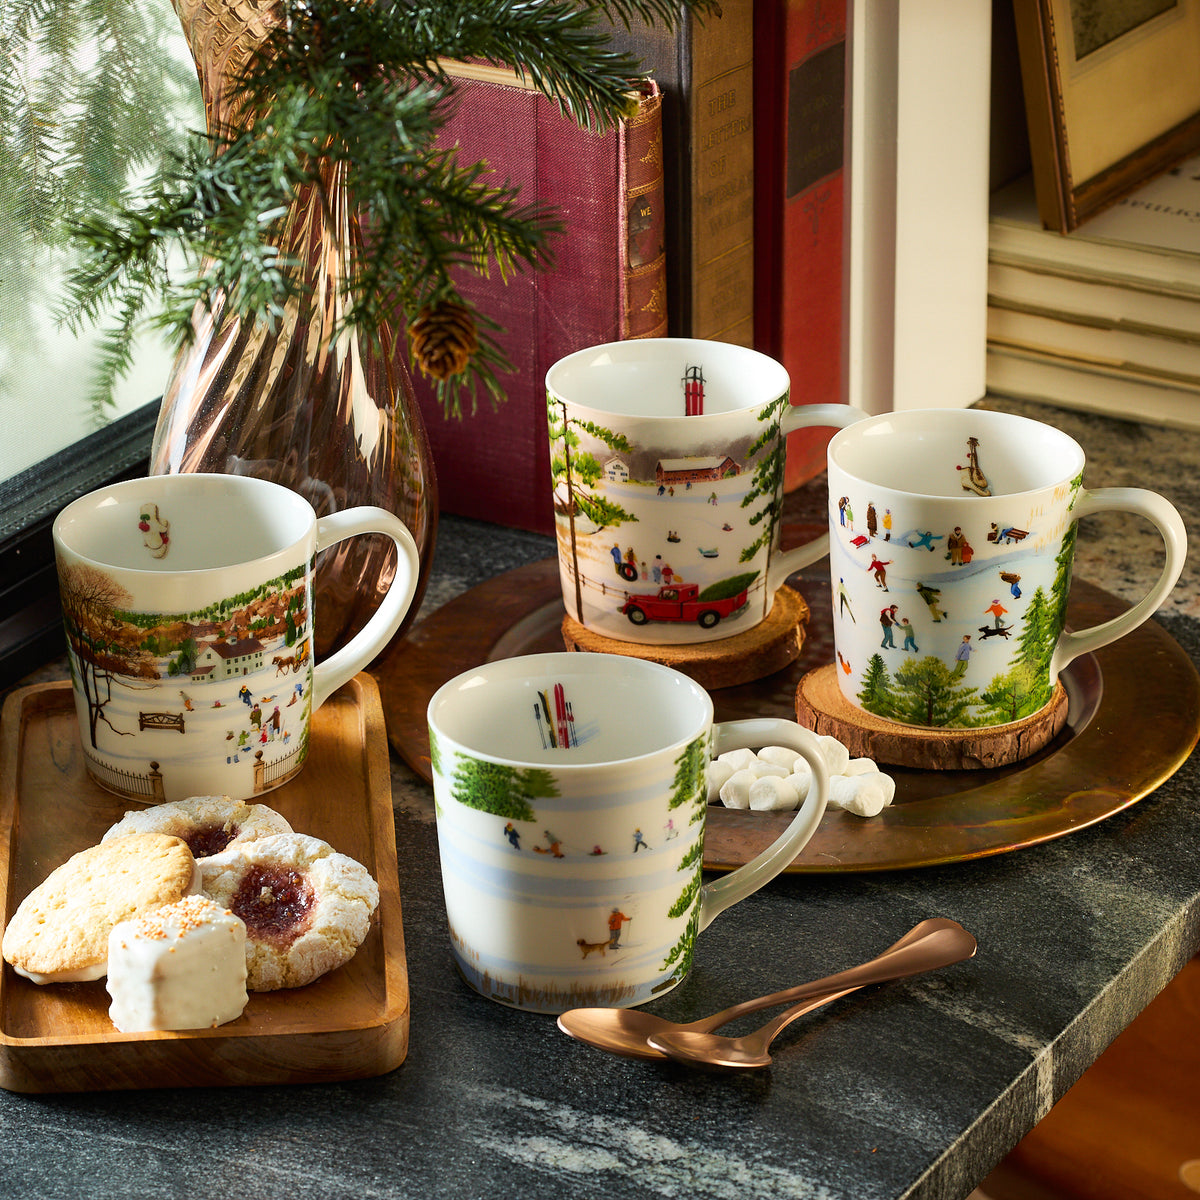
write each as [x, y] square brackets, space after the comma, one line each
[683, 602]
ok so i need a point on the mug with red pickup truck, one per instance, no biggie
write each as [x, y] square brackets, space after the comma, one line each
[667, 462]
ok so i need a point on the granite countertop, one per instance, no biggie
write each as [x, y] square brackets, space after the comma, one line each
[913, 1089]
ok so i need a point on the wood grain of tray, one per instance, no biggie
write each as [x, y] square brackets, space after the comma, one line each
[350, 1024]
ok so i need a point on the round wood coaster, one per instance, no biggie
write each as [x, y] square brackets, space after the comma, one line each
[821, 707]
[769, 647]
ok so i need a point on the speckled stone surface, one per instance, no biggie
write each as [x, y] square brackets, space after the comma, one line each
[911, 1090]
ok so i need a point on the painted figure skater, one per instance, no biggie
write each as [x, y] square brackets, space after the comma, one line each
[962, 656]
[879, 569]
[887, 619]
[931, 596]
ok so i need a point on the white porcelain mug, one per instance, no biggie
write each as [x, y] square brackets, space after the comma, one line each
[187, 604]
[952, 540]
[667, 459]
[571, 794]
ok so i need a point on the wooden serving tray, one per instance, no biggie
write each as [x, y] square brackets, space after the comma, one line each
[350, 1024]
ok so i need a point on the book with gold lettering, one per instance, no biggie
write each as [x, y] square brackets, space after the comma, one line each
[607, 283]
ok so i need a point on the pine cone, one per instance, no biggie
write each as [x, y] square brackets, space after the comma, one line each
[444, 339]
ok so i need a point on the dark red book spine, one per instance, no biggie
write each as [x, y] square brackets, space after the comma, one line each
[608, 282]
[800, 105]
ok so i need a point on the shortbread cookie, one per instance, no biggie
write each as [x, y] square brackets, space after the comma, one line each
[59, 934]
[179, 966]
[209, 824]
[306, 907]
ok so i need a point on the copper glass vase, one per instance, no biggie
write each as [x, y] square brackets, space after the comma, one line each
[320, 411]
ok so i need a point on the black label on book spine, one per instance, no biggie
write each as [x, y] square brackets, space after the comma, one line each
[816, 118]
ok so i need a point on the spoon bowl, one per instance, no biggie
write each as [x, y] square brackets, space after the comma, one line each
[628, 1031]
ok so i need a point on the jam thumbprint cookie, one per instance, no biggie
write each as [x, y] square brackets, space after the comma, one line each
[209, 824]
[307, 908]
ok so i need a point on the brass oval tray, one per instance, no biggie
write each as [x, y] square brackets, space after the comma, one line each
[1133, 718]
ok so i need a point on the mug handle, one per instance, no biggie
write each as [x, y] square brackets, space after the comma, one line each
[768, 731]
[1161, 513]
[345, 663]
[801, 416]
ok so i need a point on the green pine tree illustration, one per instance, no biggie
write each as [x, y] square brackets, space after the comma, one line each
[505, 791]
[690, 771]
[435, 752]
[681, 953]
[1061, 587]
[579, 472]
[875, 695]
[928, 693]
[1010, 696]
[1034, 648]
[1075, 484]
[766, 487]
[688, 787]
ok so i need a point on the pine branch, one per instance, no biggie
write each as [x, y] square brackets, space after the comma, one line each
[85, 103]
[356, 89]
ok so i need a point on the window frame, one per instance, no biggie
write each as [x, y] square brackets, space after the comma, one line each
[31, 633]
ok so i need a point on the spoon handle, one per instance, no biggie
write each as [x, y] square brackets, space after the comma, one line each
[933, 943]
[768, 1032]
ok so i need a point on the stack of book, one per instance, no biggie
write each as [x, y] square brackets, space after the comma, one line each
[1106, 318]
[717, 212]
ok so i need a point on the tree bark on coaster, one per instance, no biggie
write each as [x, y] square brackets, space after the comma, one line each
[821, 707]
[771, 645]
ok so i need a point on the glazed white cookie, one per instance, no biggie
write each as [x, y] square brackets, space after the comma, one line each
[307, 908]
[209, 824]
[59, 934]
[179, 966]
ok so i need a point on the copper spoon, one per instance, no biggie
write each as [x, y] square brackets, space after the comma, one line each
[627, 1031]
[697, 1048]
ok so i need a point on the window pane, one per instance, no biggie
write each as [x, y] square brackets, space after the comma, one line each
[93, 95]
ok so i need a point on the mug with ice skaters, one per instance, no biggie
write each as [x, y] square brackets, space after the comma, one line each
[952, 539]
[572, 795]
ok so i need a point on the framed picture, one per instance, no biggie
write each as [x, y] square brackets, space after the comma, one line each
[1112, 97]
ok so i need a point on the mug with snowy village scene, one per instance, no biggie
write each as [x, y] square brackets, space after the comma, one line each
[952, 536]
[571, 794]
[667, 463]
[187, 605]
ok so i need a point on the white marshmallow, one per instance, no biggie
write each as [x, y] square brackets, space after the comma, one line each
[761, 770]
[773, 794]
[861, 766]
[863, 795]
[836, 756]
[801, 781]
[735, 791]
[718, 773]
[785, 756]
[738, 759]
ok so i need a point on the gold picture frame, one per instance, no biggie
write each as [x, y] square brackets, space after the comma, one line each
[1112, 97]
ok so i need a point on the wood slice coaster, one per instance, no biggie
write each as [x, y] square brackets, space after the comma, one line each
[821, 707]
[769, 647]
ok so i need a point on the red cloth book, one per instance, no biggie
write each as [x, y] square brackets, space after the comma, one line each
[608, 283]
[800, 105]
